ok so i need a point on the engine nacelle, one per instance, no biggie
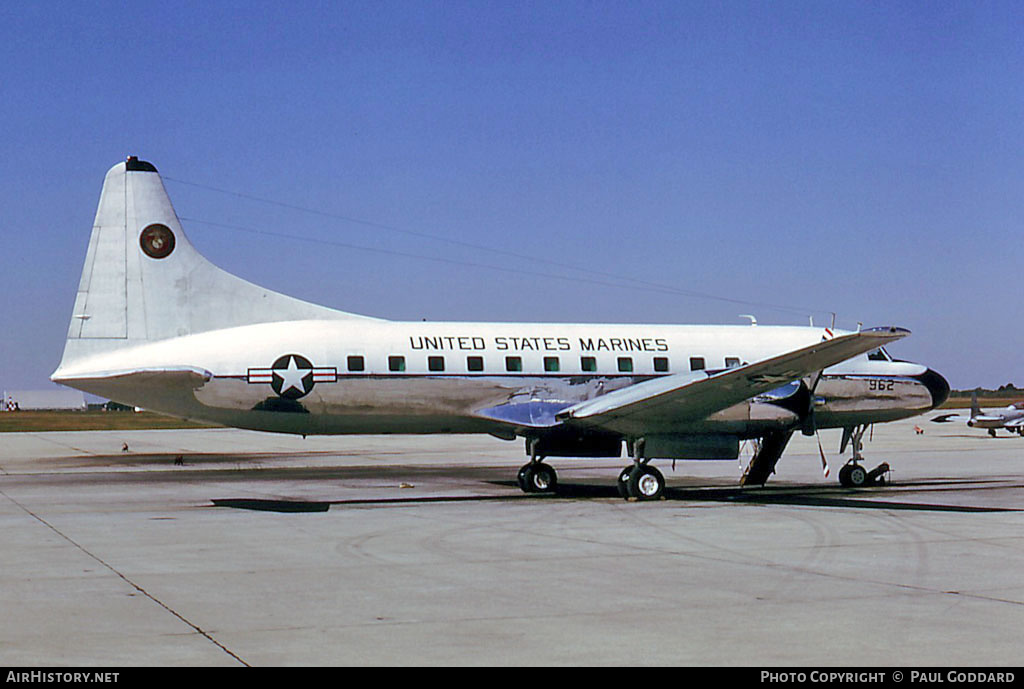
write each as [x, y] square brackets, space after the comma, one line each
[576, 444]
[702, 446]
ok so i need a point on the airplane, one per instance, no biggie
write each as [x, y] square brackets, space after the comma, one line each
[156, 325]
[1011, 418]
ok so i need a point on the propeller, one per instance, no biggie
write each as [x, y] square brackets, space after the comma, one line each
[808, 425]
[824, 463]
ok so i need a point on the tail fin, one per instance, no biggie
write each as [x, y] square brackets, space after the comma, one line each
[975, 409]
[144, 281]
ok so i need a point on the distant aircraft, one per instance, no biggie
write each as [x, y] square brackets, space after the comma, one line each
[1011, 418]
[156, 325]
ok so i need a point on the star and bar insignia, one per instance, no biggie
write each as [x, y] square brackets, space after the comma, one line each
[293, 376]
[769, 379]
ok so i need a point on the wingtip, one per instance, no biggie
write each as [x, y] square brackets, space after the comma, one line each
[887, 331]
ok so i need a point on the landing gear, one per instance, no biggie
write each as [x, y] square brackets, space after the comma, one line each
[853, 474]
[641, 481]
[623, 483]
[645, 483]
[535, 476]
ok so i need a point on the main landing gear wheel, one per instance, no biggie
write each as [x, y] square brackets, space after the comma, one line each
[537, 477]
[641, 482]
[623, 482]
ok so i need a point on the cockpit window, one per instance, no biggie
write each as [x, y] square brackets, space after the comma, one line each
[879, 355]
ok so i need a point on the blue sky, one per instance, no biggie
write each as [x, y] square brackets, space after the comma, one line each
[547, 161]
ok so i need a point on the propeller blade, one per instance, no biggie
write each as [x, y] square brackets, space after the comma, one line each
[824, 463]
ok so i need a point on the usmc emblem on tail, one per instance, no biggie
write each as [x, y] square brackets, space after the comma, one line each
[293, 376]
[157, 241]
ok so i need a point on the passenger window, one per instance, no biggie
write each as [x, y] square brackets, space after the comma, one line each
[551, 363]
[661, 364]
[513, 363]
[435, 363]
[588, 363]
[396, 363]
[696, 363]
[475, 363]
[625, 364]
[732, 361]
[356, 363]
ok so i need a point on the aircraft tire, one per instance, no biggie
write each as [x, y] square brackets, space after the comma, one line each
[853, 476]
[538, 478]
[645, 483]
[521, 477]
[623, 482]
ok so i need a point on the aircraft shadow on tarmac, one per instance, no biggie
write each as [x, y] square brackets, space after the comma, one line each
[246, 465]
[808, 496]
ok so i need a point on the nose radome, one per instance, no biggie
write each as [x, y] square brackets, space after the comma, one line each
[937, 386]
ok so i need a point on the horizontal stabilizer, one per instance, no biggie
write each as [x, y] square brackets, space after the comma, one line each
[170, 387]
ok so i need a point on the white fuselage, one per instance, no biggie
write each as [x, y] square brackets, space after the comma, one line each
[378, 376]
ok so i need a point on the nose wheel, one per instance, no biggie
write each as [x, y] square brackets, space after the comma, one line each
[853, 474]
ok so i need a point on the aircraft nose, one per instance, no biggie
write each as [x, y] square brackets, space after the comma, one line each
[937, 386]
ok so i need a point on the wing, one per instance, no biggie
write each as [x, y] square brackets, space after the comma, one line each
[681, 398]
